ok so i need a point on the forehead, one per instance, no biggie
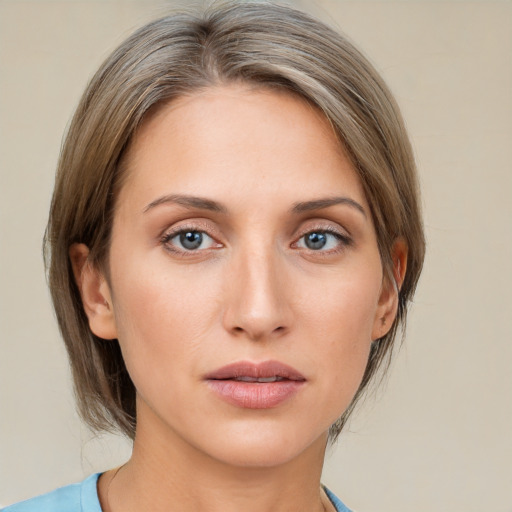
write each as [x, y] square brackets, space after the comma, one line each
[237, 139]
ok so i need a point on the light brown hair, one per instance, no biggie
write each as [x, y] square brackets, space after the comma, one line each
[259, 43]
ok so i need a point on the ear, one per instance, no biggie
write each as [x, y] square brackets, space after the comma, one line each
[95, 293]
[388, 301]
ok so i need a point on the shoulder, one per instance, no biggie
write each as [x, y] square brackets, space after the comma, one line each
[80, 497]
[338, 504]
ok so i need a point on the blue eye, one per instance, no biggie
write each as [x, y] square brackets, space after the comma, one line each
[190, 240]
[322, 240]
[315, 240]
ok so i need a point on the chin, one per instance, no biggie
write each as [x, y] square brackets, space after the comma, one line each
[261, 447]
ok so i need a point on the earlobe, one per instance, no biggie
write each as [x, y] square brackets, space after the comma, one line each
[388, 301]
[95, 293]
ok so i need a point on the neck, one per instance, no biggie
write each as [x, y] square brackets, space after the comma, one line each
[169, 474]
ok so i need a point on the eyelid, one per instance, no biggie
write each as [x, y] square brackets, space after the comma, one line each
[327, 226]
[197, 224]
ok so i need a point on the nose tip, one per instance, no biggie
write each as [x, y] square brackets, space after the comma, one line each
[257, 306]
[257, 327]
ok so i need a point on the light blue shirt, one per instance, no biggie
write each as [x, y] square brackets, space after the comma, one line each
[83, 497]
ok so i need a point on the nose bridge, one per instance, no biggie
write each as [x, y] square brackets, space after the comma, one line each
[257, 305]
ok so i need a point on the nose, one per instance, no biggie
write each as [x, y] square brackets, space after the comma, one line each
[257, 306]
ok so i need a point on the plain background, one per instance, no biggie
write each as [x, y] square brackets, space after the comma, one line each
[439, 436]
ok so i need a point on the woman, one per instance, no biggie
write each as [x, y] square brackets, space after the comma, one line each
[233, 241]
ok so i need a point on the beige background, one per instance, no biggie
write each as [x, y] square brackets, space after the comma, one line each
[439, 437]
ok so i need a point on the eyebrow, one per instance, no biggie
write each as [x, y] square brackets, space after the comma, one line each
[188, 202]
[319, 204]
[207, 204]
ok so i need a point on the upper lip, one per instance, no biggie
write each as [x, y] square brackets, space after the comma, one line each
[260, 370]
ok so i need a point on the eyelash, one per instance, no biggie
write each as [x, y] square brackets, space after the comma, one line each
[343, 239]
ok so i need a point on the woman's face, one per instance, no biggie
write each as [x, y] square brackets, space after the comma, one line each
[245, 279]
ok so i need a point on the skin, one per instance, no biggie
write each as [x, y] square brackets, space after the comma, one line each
[253, 291]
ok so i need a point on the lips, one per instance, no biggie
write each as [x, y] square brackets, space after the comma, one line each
[255, 385]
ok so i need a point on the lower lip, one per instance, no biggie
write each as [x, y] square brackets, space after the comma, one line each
[255, 395]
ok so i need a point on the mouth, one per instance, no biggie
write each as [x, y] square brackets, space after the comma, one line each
[255, 385]
[245, 378]
[266, 371]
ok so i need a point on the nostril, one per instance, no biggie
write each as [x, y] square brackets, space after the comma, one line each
[257, 334]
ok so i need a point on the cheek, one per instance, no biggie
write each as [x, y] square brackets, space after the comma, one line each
[344, 306]
[162, 318]
[341, 319]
